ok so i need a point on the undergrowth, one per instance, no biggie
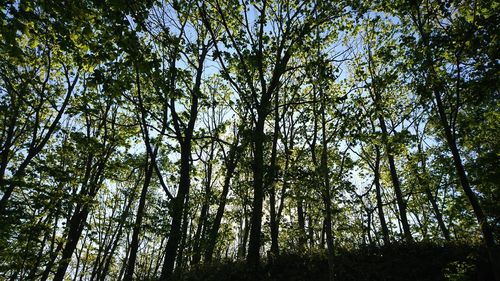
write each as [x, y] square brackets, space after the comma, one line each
[417, 261]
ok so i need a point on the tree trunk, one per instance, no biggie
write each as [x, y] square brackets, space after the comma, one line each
[177, 210]
[431, 199]
[327, 198]
[378, 190]
[178, 203]
[253, 257]
[301, 222]
[395, 182]
[377, 100]
[202, 221]
[231, 166]
[125, 259]
[134, 244]
[244, 236]
[181, 260]
[76, 226]
[271, 186]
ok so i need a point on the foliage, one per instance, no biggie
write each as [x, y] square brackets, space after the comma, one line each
[141, 139]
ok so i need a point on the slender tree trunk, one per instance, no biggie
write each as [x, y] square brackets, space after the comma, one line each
[395, 182]
[438, 214]
[52, 258]
[245, 233]
[79, 217]
[431, 199]
[159, 259]
[80, 275]
[271, 186]
[134, 244]
[111, 249]
[7, 143]
[369, 226]
[310, 225]
[52, 254]
[202, 221]
[327, 198]
[231, 166]
[104, 244]
[198, 237]
[75, 228]
[125, 259]
[378, 190]
[184, 138]
[39, 256]
[377, 99]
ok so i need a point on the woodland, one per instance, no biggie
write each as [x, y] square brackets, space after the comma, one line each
[249, 140]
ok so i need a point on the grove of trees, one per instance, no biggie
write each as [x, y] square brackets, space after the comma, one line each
[140, 138]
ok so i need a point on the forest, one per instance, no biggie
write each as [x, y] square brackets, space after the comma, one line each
[249, 140]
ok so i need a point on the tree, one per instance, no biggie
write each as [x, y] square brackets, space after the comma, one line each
[145, 140]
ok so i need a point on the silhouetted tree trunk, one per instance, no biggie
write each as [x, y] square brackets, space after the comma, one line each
[254, 244]
[78, 219]
[326, 192]
[375, 92]
[186, 223]
[202, 220]
[103, 272]
[430, 197]
[231, 162]
[184, 136]
[271, 185]
[149, 166]
[380, 205]
[134, 244]
[301, 221]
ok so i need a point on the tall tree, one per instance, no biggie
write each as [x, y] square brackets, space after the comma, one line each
[425, 17]
[262, 58]
[183, 128]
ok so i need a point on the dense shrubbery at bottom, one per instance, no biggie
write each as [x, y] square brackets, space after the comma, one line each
[418, 261]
